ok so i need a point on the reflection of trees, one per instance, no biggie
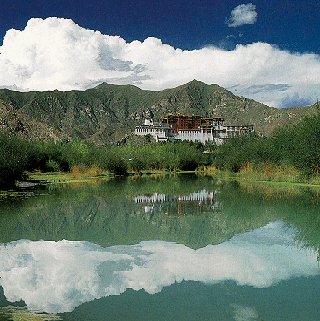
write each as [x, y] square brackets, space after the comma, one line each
[299, 206]
[108, 214]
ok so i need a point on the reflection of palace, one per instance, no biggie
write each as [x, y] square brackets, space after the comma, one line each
[192, 203]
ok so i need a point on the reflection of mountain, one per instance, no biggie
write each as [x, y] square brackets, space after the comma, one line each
[192, 203]
[108, 215]
[58, 276]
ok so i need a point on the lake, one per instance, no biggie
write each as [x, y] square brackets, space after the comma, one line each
[160, 248]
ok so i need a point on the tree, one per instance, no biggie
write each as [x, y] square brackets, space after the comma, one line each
[14, 156]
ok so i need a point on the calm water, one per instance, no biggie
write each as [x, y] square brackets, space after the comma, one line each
[182, 248]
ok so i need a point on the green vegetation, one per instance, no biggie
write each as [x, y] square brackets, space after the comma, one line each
[14, 157]
[292, 154]
[80, 159]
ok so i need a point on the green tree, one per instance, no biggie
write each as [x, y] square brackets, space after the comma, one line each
[14, 157]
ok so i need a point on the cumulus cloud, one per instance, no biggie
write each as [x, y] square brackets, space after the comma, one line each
[59, 276]
[243, 14]
[56, 53]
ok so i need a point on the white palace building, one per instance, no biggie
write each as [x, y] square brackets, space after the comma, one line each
[192, 128]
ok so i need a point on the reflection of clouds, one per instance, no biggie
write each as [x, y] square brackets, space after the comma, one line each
[242, 313]
[58, 276]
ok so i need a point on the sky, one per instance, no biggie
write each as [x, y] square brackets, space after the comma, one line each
[268, 50]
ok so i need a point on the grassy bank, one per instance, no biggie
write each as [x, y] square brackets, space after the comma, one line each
[86, 176]
[76, 173]
[276, 175]
[265, 173]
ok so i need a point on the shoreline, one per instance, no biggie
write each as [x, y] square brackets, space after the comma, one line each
[40, 179]
[47, 178]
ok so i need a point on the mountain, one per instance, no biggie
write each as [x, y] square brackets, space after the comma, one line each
[108, 112]
[21, 123]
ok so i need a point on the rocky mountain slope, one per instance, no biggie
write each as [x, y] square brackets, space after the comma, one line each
[107, 112]
[21, 123]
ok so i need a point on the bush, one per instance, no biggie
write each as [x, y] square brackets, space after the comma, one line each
[52, 166]
[117, 166]
[14, 157]
[137, 164]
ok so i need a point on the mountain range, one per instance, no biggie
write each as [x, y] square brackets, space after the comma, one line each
[108, 113]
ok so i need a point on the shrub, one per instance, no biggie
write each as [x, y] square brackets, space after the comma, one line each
[52, 166]
[14, 156]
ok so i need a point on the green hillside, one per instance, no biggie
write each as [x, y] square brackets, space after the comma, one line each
[107, 112]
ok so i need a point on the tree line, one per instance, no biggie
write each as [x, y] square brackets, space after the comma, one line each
[297, 145]
[19, 156]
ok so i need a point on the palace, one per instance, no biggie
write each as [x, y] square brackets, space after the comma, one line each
[192, 128]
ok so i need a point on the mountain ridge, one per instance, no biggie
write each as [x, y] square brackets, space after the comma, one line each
[107, 112]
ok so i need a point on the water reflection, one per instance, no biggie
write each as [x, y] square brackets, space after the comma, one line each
[59, 276]
[193, 203]
[22, 313]
[187, 210]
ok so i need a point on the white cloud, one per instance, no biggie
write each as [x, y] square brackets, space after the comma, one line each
[59, 276]
[243, 14]
[58, 54]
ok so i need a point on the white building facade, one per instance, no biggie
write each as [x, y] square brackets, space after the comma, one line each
[160, 132]
[191, 128]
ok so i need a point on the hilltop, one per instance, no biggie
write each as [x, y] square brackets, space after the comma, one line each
[108, 112]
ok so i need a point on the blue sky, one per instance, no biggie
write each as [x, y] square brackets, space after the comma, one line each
[290, 24]
[291, 28]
